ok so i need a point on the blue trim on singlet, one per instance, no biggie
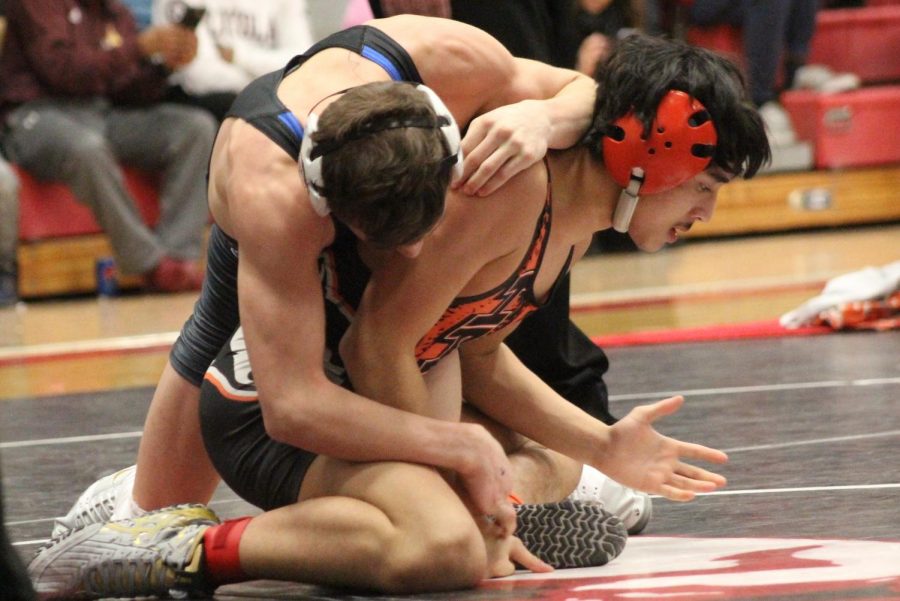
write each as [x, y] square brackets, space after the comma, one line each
[290, 119]
[258, 103]
[382, 61]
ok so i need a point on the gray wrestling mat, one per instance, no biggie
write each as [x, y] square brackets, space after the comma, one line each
[811, 511]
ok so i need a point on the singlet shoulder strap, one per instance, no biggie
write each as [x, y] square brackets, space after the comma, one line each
[371, 43]
[259, 105]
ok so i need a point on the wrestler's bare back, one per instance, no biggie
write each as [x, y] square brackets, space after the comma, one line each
[247, 165]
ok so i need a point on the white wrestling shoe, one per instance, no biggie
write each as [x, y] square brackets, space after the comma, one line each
[106, 499]
[158, 554]
[633, 507]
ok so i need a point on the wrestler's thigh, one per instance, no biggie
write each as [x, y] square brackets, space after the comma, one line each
[412, 496]
[510, 440]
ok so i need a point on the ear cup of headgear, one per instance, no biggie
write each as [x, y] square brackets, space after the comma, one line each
[312, 168]
[448, 128]
[680, 144]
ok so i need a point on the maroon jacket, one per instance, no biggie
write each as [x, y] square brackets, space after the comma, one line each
[74, 49]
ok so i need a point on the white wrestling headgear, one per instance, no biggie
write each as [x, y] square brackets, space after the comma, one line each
[311, 153]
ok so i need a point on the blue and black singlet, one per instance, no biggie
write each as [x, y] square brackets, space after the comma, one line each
[258, 104]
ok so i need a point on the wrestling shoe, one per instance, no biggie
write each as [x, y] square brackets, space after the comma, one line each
[98, 502]
[571, 534]
[157, 554]
[633, 507]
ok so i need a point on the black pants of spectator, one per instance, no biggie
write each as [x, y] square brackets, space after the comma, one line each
[771, 29]
[558, 352]
[14, 582]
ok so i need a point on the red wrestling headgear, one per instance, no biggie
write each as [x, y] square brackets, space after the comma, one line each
[680, 144]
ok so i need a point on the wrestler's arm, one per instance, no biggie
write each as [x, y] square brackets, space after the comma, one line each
[514, 108]
[282, 314]
[549, 108]
[403, 299]
[466, 253]
[631, 451]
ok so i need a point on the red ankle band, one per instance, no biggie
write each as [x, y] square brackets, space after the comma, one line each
[221, 545]
[515, 499]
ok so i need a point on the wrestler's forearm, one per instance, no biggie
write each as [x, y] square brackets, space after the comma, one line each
[570, 112]
[504, 389]
[333, 421]
[383, 374]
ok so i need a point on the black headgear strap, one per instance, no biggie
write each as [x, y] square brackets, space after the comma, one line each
[421, 121]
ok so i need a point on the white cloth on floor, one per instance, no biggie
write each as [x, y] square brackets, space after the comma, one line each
[866, 284]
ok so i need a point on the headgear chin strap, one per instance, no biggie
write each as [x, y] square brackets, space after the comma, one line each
[311, 154]
[680, 144]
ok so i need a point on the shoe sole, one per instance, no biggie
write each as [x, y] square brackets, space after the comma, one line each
[571, 534]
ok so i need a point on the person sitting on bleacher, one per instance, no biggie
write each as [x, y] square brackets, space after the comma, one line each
[771, 29]
[79, 90]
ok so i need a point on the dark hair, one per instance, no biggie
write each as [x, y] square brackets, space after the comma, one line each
[380, 174]
[642, 69]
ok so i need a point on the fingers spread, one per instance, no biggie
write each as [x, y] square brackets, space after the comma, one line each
[691, 484]
[664, 407]
[700, 475]
[690, 450]
[676, 494]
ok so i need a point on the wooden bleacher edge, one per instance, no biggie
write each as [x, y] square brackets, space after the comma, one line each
[777, 202]
[62, 266]
[67, 266]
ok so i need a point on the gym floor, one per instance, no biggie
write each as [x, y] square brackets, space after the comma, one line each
[811, 424]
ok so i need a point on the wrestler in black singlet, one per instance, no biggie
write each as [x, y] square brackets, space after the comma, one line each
[215, 315]
[270, 478]
[268, 473]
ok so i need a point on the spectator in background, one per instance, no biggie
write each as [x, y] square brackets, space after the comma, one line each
[327, 16]
[541, 30]
[80, 97]
[599, 24]
[9, 218]
[774, 32]
[237, 41]
[9, 233]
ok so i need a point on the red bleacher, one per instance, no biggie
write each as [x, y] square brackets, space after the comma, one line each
[49, 210]
[864, 41]
[854, 128]
[850, 129]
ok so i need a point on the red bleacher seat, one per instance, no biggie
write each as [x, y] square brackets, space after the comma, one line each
[49, 210]
[864, 41]
[850, 129]
[725, 39]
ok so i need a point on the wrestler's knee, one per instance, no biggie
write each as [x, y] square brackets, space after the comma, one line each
[449, 557]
